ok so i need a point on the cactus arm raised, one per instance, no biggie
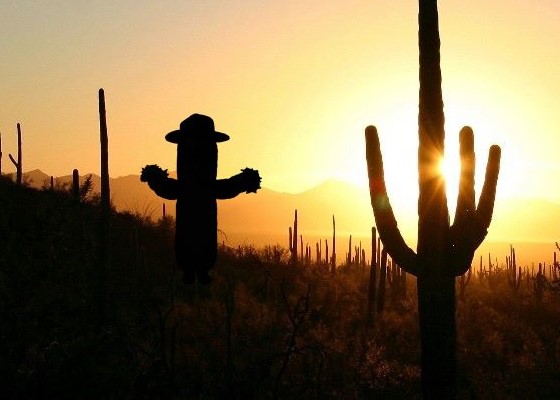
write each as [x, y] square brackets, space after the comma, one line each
[470, 226]
[488, 194]
[389, 232]
[461, 246]
[466, 199]
[159, 181]
[248, 181]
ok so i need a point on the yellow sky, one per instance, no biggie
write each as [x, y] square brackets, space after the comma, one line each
[294, 83]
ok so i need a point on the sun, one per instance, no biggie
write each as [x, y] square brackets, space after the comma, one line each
[450, 168]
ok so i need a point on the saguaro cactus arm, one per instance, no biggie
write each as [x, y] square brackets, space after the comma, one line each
[384, 217]
[471, 223]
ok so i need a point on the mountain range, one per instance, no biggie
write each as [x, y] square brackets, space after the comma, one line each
[269, 213]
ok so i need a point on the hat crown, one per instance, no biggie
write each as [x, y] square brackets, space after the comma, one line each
[196, 127]
[198, 123]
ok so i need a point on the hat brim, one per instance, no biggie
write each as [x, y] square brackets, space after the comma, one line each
[177, 136]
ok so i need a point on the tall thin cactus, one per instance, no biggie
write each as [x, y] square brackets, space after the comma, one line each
[333, 258]
[444, 251]
[104, 139]
[0, 153]
[18, 163]
[104, 256]
[382, 281]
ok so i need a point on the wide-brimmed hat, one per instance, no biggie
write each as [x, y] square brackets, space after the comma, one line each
[197, 125]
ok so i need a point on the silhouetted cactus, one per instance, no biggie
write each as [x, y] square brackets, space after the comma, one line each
[0, 153]
[349, 253]
[333, 258]
[197, 190]
[76, 185]
[104, 139]
[396, 277]
[301, 244]
[372, 286]
[444, 251]
[327, 254]
[555, 267]
[493, 274]
[382, 279]
[513, 274]
[105, 229]
[293, 240]
[540, 283]
[555, 280]
[18, 163]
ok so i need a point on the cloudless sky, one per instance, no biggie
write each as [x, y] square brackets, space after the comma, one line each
[294, 83]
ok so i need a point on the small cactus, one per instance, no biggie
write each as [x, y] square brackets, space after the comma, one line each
[513, 274]
[293, 241]
[17, 164]
[76, 185]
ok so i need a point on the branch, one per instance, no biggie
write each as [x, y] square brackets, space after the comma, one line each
[14, 161]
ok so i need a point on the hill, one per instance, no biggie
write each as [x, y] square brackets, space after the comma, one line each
[265, 217]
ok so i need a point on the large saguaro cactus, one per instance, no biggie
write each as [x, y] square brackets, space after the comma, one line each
[444, 251]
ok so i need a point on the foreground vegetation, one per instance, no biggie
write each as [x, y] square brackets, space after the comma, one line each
[265, 328]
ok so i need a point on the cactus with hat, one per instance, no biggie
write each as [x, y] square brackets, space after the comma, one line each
[196, 190]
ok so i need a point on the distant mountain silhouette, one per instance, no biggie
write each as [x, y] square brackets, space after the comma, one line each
[272, 212]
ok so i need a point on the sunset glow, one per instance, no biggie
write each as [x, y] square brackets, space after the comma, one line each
[293, 83]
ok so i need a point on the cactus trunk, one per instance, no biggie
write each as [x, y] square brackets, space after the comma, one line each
[443, 251]
[436, 287]
[76, 185]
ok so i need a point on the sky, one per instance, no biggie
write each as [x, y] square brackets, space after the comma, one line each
[294, 84]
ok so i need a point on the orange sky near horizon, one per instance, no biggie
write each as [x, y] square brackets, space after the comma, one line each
[294, 83]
